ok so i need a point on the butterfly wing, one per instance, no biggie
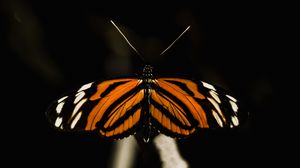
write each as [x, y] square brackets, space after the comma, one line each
[112, 108]
[180, 106]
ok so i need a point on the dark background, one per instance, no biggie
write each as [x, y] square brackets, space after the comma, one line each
[50, 48]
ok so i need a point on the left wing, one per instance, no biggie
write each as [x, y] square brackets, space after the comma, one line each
[111, 108]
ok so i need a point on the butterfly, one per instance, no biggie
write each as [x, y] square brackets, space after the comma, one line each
[145, 104]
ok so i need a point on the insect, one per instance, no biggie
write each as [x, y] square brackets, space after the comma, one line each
[145, 104]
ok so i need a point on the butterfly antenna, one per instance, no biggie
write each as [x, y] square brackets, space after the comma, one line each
[175, 40]
[127, 41]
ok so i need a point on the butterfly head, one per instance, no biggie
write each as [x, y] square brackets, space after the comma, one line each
[147, 71]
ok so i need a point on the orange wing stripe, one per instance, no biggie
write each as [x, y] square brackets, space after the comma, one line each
[105, 84]
[169, 105]
[97, 112]
[165, 122]
[195, 109]
[192, 86]
[129, 123]
[121, 109]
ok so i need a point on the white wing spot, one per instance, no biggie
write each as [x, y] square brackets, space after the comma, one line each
[235, 120]
[86, 86]
[62, 99]
[209, 86]
[77, 107]
[76, 119]
[231, 98]
[59, 107]
[58, 121]
[234, 106]
[216, 105]
[218, 119]
[215, 96]
[79, 96]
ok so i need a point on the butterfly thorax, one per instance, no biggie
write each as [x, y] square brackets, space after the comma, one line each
[147, 79]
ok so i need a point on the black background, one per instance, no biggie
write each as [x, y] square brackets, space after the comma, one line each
[50, 48]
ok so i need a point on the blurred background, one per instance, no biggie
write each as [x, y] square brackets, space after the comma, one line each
[49, 48]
